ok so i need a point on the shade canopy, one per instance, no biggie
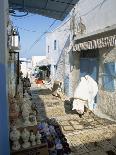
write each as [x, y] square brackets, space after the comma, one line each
[57, 9]
[44, 62]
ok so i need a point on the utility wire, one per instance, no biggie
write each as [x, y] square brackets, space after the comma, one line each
[94, 8]
[85, 14]
[99, 5]
[47, 29]
[27, 29]
[38, 39]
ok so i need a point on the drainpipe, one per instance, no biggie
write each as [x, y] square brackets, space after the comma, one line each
[4, 107]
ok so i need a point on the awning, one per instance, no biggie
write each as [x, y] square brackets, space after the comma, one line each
[57, 9]
[44, 62]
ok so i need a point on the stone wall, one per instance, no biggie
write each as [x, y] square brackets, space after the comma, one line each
[62, 68]
[68, 70]
[107, 103]
[106, 100]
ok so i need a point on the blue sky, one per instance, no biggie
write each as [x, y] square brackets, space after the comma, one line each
[30, 28]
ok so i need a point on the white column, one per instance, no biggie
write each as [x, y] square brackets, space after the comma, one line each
[4, 111]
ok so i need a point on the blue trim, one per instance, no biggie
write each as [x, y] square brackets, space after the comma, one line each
[4, 113]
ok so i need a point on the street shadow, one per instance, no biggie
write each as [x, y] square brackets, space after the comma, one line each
[44, 91]
[100, 146]
[68, 104]
[39, 105]
[94, 146]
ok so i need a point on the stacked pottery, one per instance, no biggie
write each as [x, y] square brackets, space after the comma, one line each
[13, 110]
[20, 89]
[25, 115]
[33, 119]
[38, 137]
[16, 106]
[27, 98]
[52, 130]
[25, 108]
[25, 136]
[32, 139]
[14, 136]
[27, 104]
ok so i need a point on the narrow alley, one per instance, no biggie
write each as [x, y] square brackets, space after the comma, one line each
[57, 77]
[89, 135]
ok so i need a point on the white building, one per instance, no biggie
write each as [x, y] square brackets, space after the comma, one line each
[95, 49]
[56, 43]
[92, 33]
[26, 67]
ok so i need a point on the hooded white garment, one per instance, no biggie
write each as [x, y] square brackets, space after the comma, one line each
[81, 91]
[92, 90]
[80, 96]
[85, 94]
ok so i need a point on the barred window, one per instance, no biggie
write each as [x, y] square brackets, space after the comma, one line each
[109, 77]
[55, 45]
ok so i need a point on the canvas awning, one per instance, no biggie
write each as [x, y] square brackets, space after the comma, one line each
[44, 62]
[57, 9]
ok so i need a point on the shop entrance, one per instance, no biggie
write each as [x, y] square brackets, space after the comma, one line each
[89, 63]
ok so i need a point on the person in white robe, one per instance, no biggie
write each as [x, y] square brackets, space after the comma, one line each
[92, 90]
[84, 94]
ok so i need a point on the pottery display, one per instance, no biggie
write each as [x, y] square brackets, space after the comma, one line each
[33, 119]
[32, 139]
[25, 105]
[25, 137]
[20, 89]
[17, 108]
[13, 110]
[52, 129]
[25, 115]
[14, 137]
[38, 137]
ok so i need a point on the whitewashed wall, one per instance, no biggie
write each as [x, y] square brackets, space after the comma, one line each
[56, 57]
[95, 14]
[26, 67]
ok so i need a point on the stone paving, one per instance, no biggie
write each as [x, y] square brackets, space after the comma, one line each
[89, 135]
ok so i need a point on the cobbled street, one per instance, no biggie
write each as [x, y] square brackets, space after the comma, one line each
[88, 135]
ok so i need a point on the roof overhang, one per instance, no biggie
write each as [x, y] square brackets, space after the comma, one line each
[57, 9]
[99, 39]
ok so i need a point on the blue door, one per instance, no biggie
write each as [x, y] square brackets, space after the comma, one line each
[89, 66]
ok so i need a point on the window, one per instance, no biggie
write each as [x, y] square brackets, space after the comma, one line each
[48, 49]
[109, 77]
[54, 44]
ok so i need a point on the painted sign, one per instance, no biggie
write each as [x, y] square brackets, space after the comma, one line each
[98, 43]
